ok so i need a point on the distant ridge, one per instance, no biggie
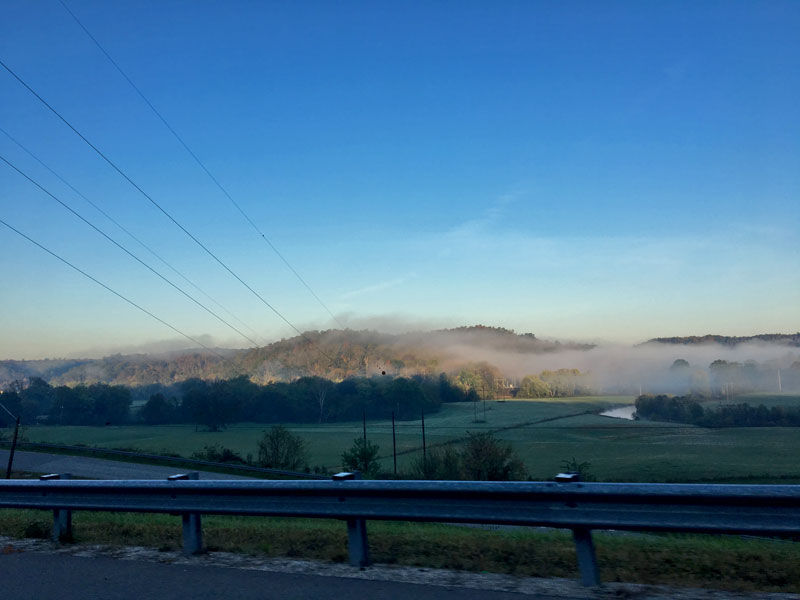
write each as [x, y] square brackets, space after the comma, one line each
[785, 339]
[355, 353]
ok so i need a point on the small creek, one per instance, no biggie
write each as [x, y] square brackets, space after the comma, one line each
[621, 412]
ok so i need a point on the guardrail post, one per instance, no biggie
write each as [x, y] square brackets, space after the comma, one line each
[62, 517]
[357, 543]
[587, 561]
[584, 545]
[192, 525]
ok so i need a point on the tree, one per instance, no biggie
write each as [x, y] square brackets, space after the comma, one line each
[679, 365]
[405, 397]
[211, 405]
[321, 391]
[533, 387]
[281, 449]
[111, 404]
[363, 456]
[72, 406]
[158, 410]
[36, 399]
[485, 458]
[565, 382]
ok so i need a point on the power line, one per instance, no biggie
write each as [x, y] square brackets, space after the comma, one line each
[103, 285]
[161, 209]
[126, 231]
[199, 162]
[126, 251]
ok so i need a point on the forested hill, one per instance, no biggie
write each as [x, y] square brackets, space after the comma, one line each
[334, 354]
[786, 339]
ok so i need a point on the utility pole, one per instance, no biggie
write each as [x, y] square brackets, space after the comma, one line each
[424, 448]
[364, 423]
[13, 443]
[394, 447]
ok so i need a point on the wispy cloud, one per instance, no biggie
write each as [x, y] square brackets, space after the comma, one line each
[490, 216]
[377, 287]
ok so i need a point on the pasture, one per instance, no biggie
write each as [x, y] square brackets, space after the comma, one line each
[544, 432]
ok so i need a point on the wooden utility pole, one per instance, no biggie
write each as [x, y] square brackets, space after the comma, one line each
[424, 448]
[394, 447]
[364, 423]
[13, 443]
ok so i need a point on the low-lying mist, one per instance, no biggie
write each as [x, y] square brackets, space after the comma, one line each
[648, 367]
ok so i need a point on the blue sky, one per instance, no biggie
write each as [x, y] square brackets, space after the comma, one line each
[581, 170]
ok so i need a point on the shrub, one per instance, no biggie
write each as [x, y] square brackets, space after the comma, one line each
[281, 449]
[220, 454]
[485, 458]
[362, 456]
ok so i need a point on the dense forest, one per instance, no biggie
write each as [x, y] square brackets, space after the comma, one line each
[690, 410]
[215, 404]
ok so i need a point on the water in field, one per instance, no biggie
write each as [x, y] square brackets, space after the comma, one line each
[621, 412]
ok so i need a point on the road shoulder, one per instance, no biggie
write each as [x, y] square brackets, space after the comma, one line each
[530, 586]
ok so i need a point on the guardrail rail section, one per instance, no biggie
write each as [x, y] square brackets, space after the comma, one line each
[764, 510]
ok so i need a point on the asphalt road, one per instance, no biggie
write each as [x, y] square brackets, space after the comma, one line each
[96, 468]
[34, 576]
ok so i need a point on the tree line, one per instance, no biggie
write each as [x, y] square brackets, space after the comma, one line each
[97, 404]
[218, 403]
[687, 409]
[305, 400]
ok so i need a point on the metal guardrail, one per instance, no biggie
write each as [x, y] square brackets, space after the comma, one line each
[581, 507]
[167, 459]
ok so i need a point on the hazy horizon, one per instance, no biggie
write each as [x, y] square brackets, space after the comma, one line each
[177, 345]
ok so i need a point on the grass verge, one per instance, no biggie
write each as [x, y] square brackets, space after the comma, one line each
[720, 562]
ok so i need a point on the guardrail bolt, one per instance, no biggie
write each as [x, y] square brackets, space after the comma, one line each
[357, 542]
[62, 517]
[192, 525]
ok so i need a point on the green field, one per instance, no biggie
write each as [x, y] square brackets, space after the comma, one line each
[618, 450]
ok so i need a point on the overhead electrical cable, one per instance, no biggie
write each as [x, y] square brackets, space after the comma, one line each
[126, 251]
[162, 210]
[201, 164]
[126, 231]
[101, 284]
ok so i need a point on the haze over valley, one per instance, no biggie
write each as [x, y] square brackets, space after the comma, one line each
[504, 357]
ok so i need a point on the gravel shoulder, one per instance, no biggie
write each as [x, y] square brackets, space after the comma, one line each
[484, 583]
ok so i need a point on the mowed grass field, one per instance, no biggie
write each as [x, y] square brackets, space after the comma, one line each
[544, 432]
